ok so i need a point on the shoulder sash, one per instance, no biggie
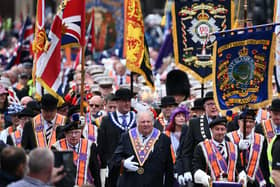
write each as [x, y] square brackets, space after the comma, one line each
[143, 151]
[39, 132]
[217, 163]
[268, 130]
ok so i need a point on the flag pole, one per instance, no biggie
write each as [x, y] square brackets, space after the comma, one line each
[244, 119]
[82, 81]
[131, 83]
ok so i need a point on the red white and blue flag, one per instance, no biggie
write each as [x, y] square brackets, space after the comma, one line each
[73, 29]
[23, 51]
[48, 71]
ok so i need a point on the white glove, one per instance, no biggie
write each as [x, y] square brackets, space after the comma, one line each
[181, 180]
[262, 183]
[175, 175]
[242, 178]
[188, 176]
[104, 173]
[244, 144]
[82, 120]
[201, 177]
[130, 165]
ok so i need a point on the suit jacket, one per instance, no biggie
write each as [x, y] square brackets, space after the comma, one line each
[157, 168]
[199, 162]
[93, 166]
[107, 140]
[28, 141]
[195, 134]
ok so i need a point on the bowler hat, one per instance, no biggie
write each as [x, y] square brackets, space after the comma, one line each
[27, 112]
[168, 101]
[218, 121]
[49, 102]
[208, 96]
[248, 114]
[123, 94]
[198, 104]
[275, 105]
[72, 125]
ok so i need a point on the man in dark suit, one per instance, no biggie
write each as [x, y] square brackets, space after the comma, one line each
[152, 167]
[217, 158]
[84, 156]
[198, 131]
[111, 128]
[41, 130]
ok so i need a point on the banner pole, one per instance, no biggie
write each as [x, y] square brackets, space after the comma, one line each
[82, 81]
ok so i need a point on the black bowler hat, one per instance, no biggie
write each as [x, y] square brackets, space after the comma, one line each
[34, 106]
[71, 125]
[198, 104]
[49, 102]
[123, 94]
[275, 105]
[208, 96]
[28, 112]
[248, 114]
[218, 121]
[168, 101]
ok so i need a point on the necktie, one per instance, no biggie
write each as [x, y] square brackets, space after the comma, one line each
[49, 131]
[144, 138]
[121, 80]
[277, 130]
[221, 149]
[124, 122]
[74, 148]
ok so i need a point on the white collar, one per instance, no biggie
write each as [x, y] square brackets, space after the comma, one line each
[218, 143]
[250, 136]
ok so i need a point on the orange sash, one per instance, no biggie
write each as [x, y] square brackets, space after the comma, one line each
[171, 147]
[39, 132]
[268, 130]
[81, 159]
[16, 136]
[254, 156]
[217, 163]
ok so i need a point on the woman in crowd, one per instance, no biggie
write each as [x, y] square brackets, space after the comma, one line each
[179, 118]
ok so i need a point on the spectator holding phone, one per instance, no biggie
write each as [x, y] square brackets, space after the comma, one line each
[41, 170]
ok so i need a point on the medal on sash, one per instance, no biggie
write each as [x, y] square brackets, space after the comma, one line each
[142, 151]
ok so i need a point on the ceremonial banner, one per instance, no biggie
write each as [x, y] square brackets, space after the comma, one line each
[135, 45]
[277, 54]
[243, 68]
[193, 20]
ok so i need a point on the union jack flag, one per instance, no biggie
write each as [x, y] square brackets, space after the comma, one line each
[73, 29]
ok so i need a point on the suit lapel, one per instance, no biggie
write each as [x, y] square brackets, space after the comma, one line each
[207, 128]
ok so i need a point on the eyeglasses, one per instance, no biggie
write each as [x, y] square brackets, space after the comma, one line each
[95, 105]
